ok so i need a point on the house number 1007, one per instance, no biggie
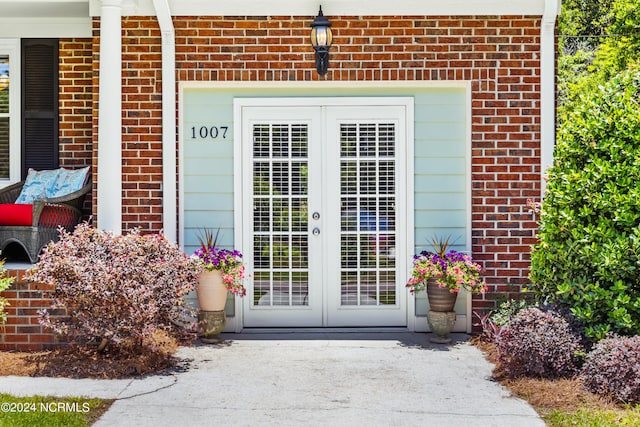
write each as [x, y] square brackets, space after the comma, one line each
[206, 132]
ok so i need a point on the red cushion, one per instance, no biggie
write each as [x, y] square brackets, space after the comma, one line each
[16, 214]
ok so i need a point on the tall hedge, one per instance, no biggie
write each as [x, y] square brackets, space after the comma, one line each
[588, 255]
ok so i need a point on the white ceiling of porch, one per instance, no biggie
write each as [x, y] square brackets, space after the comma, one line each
[44, 9]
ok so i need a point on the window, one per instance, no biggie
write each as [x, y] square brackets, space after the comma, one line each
[5, 89]
[39, 98]
[9, 112]
[28, 107]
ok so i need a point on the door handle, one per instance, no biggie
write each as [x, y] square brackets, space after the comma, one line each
[316, 231]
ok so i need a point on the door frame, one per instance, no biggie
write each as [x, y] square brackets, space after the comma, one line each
[406, 238]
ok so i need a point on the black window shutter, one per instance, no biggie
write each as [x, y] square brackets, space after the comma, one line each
[39, 104]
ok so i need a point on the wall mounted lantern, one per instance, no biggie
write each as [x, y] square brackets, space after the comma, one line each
[321, 39]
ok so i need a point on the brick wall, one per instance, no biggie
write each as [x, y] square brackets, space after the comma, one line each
[499, 55]
[76, 104]
[141, 122]
[22, 330]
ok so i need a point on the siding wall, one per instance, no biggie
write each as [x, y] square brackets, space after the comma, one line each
[441, 155]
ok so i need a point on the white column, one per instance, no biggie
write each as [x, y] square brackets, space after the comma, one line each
[110, 118]
[169, 215]
[548, 87]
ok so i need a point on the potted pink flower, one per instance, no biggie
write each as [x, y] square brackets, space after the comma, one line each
[222, 271]
[444, 273]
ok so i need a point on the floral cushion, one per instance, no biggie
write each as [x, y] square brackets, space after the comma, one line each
[51, 183]
[36, 185]
[68, 181]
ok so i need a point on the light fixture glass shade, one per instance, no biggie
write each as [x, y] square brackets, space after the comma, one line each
[321, 35]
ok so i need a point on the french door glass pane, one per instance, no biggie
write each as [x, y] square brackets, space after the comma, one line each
[280, 224]
[367, 226]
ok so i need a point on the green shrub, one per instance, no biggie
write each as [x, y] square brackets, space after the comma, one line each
[5, 282]
[507, 310]
[588, 256]
[492, 321]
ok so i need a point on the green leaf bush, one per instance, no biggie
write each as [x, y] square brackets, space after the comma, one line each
[5, 282]
[588, 255]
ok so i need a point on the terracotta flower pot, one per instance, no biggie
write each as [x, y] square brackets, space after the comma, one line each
[212, 292]
[440, 299]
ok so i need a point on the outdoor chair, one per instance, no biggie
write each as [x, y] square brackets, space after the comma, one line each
[33, 225]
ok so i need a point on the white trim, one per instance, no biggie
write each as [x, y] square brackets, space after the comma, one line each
[320, 187]
[169, 219]
[12, 48]
[469, 190]
[382, 329]
[322, 84]
[110, 121]
[410, 211]
[238, 200]
[547, 87]
[330, 8]
[322, 101]
[45, 27]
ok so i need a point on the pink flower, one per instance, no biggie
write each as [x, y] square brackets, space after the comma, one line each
[452, 270]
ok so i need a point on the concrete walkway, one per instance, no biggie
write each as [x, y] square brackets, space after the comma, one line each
[314, 379]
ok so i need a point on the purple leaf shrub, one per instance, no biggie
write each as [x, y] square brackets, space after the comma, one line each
[613, 369]
[539, 344]
[114, 287]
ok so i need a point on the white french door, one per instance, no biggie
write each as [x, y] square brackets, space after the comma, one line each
[323, 202]
[280, 186]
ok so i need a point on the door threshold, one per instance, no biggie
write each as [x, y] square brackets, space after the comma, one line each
[349, 330]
